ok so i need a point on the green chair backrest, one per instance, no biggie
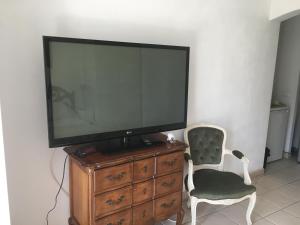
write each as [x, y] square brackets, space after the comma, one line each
[206, 145]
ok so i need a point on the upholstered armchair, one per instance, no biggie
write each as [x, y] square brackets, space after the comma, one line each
[206, 181]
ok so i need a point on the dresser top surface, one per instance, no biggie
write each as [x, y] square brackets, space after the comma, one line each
[101, 158]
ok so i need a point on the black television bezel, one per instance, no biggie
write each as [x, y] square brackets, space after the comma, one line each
[82, 139]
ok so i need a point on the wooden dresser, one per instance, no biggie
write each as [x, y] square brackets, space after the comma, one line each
[137, 187]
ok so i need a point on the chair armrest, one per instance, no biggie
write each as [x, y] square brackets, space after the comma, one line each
[190, 185]
[238, 154]
[245, 161]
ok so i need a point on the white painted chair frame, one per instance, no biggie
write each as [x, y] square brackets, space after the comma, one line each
[193, 201]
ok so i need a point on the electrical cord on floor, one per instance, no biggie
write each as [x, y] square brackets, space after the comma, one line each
[59, 190]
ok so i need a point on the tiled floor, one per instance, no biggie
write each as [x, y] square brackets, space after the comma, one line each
[278, 200]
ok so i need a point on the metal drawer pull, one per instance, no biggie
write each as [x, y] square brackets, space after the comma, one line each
[170, 163]
[115, 202]
[166, 184]
[145, 169]
[168, 205]
[120, 222]
[116, 177]
[145, 191]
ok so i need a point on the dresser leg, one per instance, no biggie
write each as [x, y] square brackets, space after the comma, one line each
[180, 216]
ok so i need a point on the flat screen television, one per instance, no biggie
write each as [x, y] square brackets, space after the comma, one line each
[98, 90]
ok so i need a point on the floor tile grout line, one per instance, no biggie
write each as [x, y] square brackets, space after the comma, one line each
[298, 217]
[277, 204]
[211, 213]
[290, 213]
[269, 221]
[279, 186]
[229, 218]
[265, 217]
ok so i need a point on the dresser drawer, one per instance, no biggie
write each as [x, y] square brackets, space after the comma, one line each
[121, 218]
[111, 201]
[143, 214]
[111, 177]
[167, 206]
[169, 183]
[143, 169]
[169, 163]
[143, 191]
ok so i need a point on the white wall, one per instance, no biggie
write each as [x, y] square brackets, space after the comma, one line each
[233, 50]
[284, 9]
[287, 72]
[4, 206]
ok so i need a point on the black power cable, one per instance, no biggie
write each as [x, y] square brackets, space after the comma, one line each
[60, 187]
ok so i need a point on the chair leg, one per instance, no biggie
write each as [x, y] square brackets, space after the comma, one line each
[194, 210]
[251, 205]
[188, 203]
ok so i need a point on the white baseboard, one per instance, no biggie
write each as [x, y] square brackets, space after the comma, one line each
[287, 155]
[257, 173]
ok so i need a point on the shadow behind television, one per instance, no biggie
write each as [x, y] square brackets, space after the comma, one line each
[99, 90]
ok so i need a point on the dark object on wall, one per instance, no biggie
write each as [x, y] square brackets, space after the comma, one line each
[99, 90]
[267, 154]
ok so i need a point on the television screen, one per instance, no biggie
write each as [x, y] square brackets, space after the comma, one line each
[100, 89]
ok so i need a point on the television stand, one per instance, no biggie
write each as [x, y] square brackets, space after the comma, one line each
[127, 144]
[118, 145]
[142, 186]
[143, 141]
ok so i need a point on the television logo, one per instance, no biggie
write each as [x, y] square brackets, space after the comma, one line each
[128, 132]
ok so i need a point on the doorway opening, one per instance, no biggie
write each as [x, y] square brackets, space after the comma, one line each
[284, 123]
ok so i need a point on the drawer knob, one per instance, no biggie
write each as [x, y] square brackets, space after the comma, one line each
[170, 184]
[116, 177]
[170, 162]
[168, 205]
[145, 168]
[115, 202]
[120, 222]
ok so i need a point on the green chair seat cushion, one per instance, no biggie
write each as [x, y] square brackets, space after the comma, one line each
[217, 185]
